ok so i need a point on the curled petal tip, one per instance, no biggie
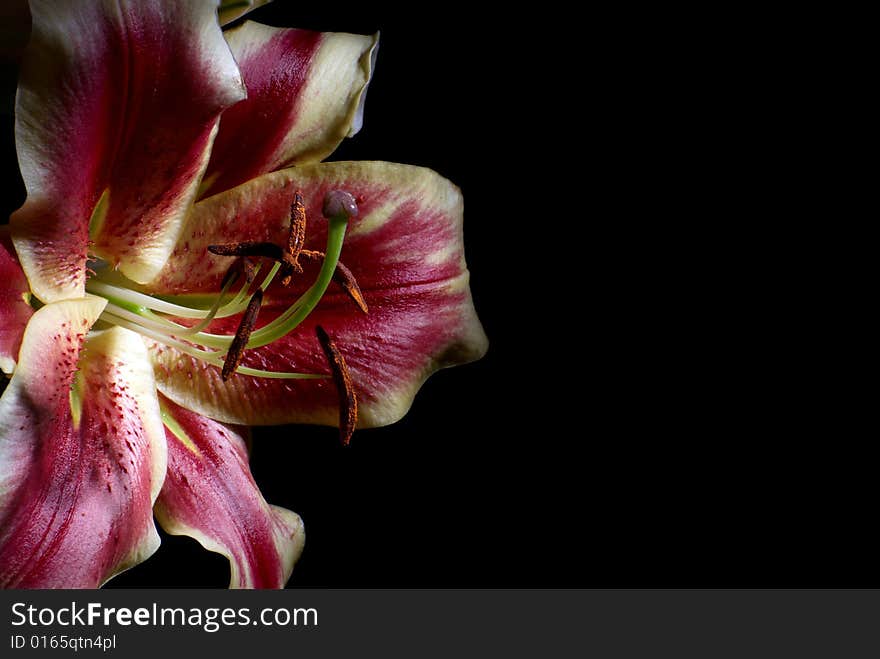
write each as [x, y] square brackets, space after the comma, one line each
[339, 202]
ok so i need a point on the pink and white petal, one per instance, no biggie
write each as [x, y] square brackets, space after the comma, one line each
[82, 453]
[306, 93]
[408, 335]
[210, 495]
[406, 251]
[229, 10]
[15, 310]
[117, 107]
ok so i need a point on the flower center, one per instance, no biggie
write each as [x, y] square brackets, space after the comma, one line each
[155, 318]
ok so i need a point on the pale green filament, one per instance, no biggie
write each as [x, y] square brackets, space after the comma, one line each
[195, 329]
[125, 295]
[206, 356]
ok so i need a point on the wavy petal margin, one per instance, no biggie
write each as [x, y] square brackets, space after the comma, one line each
[117, 107]
[82, 453]
[405, 249]
[306, 93]
[14, 308]
[210, 495]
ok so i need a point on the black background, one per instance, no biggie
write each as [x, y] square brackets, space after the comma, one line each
[647, 414]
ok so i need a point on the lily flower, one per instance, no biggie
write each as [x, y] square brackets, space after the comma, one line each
[184, 267]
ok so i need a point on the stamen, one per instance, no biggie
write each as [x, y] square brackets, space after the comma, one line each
[120, 305]
[296, 238]
[251, 270]
[290, 319]
[348, 408]
[152, 315]
[229, 280]
[262, 249]
[241, 266]
[111, 292]
[204, 355]
[272, 331]
[342, 276]
[242, 334]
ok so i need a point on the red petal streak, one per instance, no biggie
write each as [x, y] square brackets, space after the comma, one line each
[14, 309]
[406, 251]
[122, 97]
[76, 489]
[210, 495]
[304, 90]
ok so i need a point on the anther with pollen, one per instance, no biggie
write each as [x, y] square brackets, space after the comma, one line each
[342, 276]
[249, 248]
[242, 334]
[296, 238]
[158, 319]
[348, 408]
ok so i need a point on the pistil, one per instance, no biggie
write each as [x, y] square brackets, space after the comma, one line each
[339, 206]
